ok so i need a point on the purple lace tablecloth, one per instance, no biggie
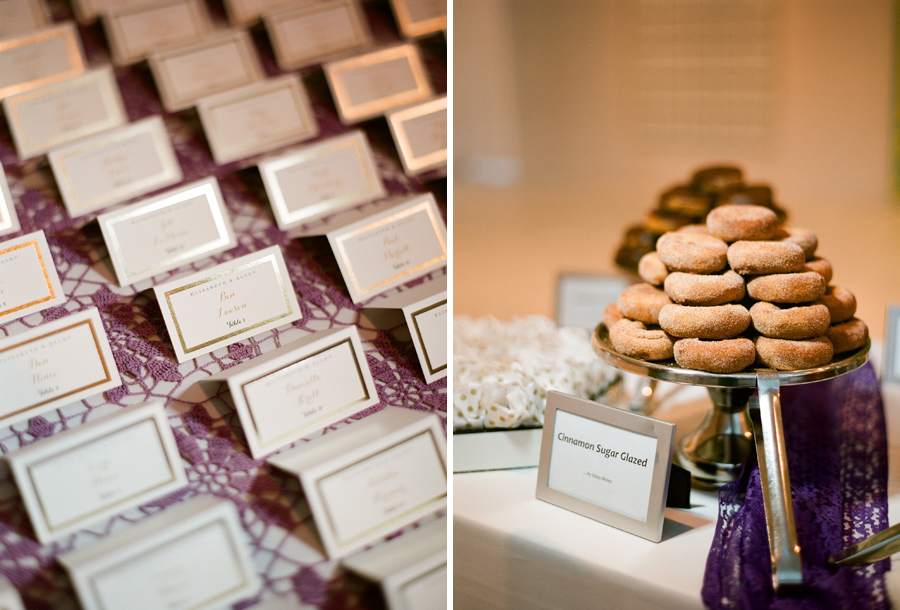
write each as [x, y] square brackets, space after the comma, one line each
[280, 533]
[837, 455]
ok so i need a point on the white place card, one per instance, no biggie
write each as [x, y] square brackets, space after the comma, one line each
[242, 13]
[218, 62]
[309, 34]
[28, 279]
[115, 166]
[135, 30]
[372, 477]
[9, 219]
[84, 475]
[9, 595]
[890, 369]
[607, 464]
[581, 298]
[367, 85]
[192, 555]
[321, 178]
[21, 16]
[88, 11]
[55, 364]
[178, 227]
[39, 58]
[299, 388]
[219, 306]
[257, 118]
[420, 17]
[420, 135]
[57, 114]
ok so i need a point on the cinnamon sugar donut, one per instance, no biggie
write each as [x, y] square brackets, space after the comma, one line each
[840, 303]
[611, 315]
[701, 228]
[692, 252]
[820, 266]
[633, 339]
[695, 289]
[765, 257]
[642, 302]
[715, 322]
[789, 355]
[733, 222]
[651, 269]
[804, 238]
[804, 322]
[848, 335]
[787, 287]
[726, 356]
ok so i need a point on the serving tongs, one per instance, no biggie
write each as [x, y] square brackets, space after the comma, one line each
[871, 550]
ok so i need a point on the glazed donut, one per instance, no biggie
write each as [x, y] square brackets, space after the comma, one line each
[787, 287]
[804, 238]
[611, 315]
[804, 322]
[848, 335]
[651, 269]
[840, 303]
[726, 356]
[789, 355]
[633, 339]
[715, 322]
[694, 289]
[764, 257]
[642, 302]
[733, 222]
[692, 252]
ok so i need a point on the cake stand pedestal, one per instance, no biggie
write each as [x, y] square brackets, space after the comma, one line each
[745, 415]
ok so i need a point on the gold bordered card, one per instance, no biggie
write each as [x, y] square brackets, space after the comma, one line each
[39, 58]
[28, 279]
[420, 135]
[135, 30]
[22, 16]
[420, 17]
[9, 219]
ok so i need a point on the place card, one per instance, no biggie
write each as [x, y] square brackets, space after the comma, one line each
[257, 118]
[55, 364]
[218, 62]
[115, 166]
[57, 114]
[299, 388]
[365, 86]
[80, 477]
[219, 306]
[9, 595]
[88, 11]
[420, 135]
[135, 30]
[321, 178]
[372, 477]
[420, 17]
[607, 464]
[306, 35]
[243, 13]
[21, 16]
[411, 569]
[162, 233]
[39, 58]
[9, 220]
[192, 555]
[28, 279]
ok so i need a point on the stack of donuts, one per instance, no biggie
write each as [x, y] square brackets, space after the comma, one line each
[739, 290]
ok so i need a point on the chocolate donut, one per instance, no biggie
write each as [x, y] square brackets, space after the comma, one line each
[726, 356]
[790, 355]
[787, 287]
[715, 322]
[642, 302]
[685, 201]
[848, 335]
[733, 222]
[651, 269]
[840, 303]
[633, 339]
[696, 289]
[804, 238]
[692, 252]
[820, 266]
[716, 179]
[765, 257]
[803, 322]
[611, 315]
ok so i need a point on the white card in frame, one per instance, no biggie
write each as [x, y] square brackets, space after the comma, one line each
[175, 228]
[135, 30]
[216, 63]
[28, 279]
[115, 166]
[420, 135]
[40, 58]
[22, 16]
[420, 17]
[367, 85]
[9, 219]
[257, 118]
[309, 34]
[63, 112]
[105, 467]
[321, 179]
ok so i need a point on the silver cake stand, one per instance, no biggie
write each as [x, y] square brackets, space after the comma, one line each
[745, 414]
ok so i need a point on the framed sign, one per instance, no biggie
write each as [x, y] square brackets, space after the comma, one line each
[581, 298]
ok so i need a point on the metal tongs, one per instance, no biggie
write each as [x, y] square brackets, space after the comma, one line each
[871, 550]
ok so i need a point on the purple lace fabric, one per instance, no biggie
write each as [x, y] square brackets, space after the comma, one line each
[280, 533]
[837, 455]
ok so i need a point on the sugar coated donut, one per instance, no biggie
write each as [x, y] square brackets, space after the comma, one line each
[733, 222]
[692, 252]
[700, 228]
[765, 257]
[611, 315]
[651, 269]
[820, 266]
[804, 238]
[789, 355]
[787, 287]
[633, 339]
[642, 302]
[840, 303]
[695, 289]
[802, 322]
[848, 335]
[726, 356]
[715, 322]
